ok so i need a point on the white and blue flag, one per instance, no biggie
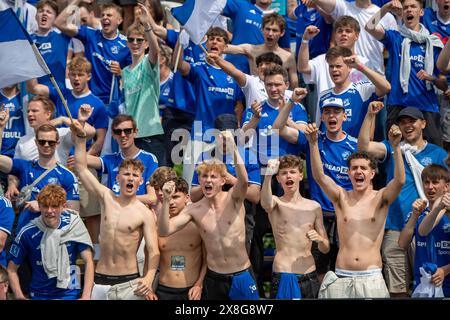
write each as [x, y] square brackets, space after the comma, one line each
[197, 16]
[20, 60]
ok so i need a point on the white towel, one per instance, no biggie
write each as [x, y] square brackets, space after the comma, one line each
[422, 36]
[416, 167]
[55, 258]
[426, 289]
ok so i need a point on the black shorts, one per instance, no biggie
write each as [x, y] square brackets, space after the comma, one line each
[308, 284]
[168, 293]
[113, 280]
[216, 286]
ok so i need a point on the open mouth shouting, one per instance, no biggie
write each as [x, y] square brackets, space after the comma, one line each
[289, 183]
[129, 186]
[409, 17]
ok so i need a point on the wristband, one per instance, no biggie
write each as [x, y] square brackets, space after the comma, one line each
[82, 137]
[148, 30]
[360, 67]
[305, 41]
[292, 101]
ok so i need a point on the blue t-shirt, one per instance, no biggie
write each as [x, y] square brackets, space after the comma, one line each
[440, 238]
[434, 24]
[251, 166]
[269, 144]
[417, 96]
[7, 216]
[182, 96]
[98, 119]
[311, 17]
[111, 164]
[216, 94]
[15, 128]
[247, 28]
[100, 52]
[164, 91]
[26, 247]
[356, 99]
[400, 208]
[334, 156]
[27, 171]
[54, 48]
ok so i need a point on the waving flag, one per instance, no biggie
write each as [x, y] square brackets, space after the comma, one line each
[20, 60]
[197, 16]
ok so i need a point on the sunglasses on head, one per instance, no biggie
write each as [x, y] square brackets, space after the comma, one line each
[127, 131]
[43, 142]
[135, 40]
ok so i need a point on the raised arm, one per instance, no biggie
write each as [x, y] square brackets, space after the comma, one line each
[183, 67]
[436, 214]
[89, 180]
[326, 5]
[394, 187]
[256, 117]
[372, 27]
[145, 18]
[62, 22]
[405, 238]
[292, 71]
[280, 123]
[376, 149]
[303, 56]
[382, 86]
[239, 190]
[331, 189]
[443, 62]
[267, 199]
[166, 225]
[244, 49]
[4, 117]
[228, 67]
[35, 88]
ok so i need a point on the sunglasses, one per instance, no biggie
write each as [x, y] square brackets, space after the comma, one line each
[127, 131]
[51, 143]
[135, 40]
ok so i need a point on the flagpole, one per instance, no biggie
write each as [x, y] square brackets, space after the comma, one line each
[52, 78]
[111, 92]
[177, 59]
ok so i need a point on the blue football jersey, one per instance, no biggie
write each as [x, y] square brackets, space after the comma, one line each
[15, 128]
[111, 163]
[100, 52]
[334, 156]
[26, 247]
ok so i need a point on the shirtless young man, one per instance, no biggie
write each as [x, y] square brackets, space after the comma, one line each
[182, 265]
[361, 215]
[296, 222]
[124, 220]
[219, 216]
[273, 27]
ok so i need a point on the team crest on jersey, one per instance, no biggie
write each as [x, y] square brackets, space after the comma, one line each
[426, 161]
[229, 79]
[10, 106]
[115, 49]
[14, 250]
[446, 228]
[346, 154]
[45, 46]
[52, 181]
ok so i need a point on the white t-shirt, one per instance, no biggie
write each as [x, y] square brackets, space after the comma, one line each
[254, 89]
[366, 46]
[26, 146]
[29, 14]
